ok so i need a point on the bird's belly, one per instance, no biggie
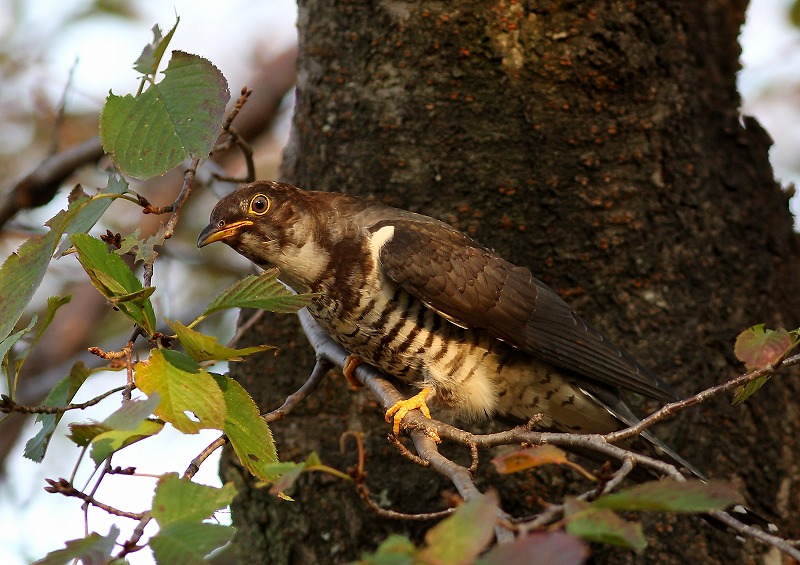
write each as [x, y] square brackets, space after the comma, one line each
[403, 338]
[473, 375]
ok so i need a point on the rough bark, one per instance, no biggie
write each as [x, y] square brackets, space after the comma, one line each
[596, 142]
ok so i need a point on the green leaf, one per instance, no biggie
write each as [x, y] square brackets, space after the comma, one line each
[758, 347]
[181, 500]
[540, 548]
[144, 251]
[112, 441]
[23, 271]
[394, 550]
[259, 291]
[126, 425]
[94, 549]
[201, 347]
[83, 434]
[90, 208]
[247, 431]
[461, 537]
[148, 61]
[602, 525]
[184, 389]
[123, 427]
[744, 392]
[149, 134]
[673, 496]
[112, 277]
[188, 543]
[5, 347]
[53, 304]
[20, 276]
[62, 394]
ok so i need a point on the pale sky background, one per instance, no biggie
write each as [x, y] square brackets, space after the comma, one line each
[33, 522]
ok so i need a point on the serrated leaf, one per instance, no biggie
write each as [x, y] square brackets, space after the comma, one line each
[201, 347]
[188, 543]
[287, 473]
[759, 347]
[90, 208]
[149, 134]
[112, 277]
[673, 496]
[20, 276]
[62, 394]
[112, 441]
[540, 548]
[138, 297]
[529, 458]
[461, 537]
[247, 431]
[262, 291]
[94, 549]
[144, 251]
[23, 271]
[184, 389]
[181, 500]
[126, 425]
[5, 347]
[148, 61]
[53, 304]
[602, 525]
[83, 434]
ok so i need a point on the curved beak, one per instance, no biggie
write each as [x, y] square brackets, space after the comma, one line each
[213, 233]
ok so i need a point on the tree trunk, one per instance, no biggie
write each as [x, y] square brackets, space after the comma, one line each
[596, 142]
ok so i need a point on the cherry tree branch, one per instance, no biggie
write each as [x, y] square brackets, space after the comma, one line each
[422, 431]
[39, 186]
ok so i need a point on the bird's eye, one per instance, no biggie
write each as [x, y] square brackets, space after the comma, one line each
[259, 205]
[221, 224]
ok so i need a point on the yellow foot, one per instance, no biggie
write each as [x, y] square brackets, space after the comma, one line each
[400, 409]
[350, 365]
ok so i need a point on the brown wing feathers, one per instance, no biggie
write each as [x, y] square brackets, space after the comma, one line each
[469, 284]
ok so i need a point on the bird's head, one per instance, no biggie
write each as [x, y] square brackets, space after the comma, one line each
[269, 223]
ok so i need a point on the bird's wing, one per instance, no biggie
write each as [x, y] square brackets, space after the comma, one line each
[472, 287]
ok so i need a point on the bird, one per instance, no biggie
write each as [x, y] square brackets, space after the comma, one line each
[426, 304]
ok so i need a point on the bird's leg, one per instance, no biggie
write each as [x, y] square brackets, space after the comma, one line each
[350, 365]
[401, 408]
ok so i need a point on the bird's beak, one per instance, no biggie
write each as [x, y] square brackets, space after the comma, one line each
[213, 233]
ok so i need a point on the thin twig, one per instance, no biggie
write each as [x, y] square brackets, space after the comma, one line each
[194, 466]
[131, 544]
[62, 486]
[39, 186]
[235, 139]
[321, 368]
[674, 407]
[756, 533]
[7, 405]
[242, 329]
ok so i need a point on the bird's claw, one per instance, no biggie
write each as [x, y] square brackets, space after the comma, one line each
[403, 407]
[349, 368]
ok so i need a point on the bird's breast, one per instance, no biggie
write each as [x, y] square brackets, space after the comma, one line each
[473, 375]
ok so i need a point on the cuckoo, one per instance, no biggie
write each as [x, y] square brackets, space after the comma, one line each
[424, 303]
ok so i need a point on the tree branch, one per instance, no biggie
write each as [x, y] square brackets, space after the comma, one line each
[422, 430]
[40, 185]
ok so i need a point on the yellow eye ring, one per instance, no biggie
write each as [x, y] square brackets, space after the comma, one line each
[259, 205]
